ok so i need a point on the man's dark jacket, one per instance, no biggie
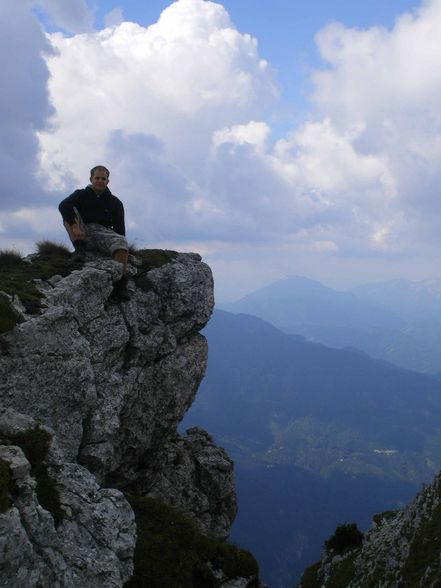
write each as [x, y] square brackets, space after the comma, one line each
[104, 209]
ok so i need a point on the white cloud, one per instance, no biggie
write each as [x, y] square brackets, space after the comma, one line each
[389, 84]
[179, 80]
[252, 133]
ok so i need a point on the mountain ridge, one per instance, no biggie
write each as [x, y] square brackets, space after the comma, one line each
[399, 321]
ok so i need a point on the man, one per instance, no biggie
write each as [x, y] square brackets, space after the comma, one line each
[94, 220]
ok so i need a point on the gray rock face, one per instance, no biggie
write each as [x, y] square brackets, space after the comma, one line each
[195, 477]
[122, 374]
[110, 380]
[93, 543]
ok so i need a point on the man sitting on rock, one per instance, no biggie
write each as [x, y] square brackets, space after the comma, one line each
[94, 220]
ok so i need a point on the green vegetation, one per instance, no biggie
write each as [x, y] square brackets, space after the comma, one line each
[150, 259]
[423, 559]
[50, 248]
[7, 486]
[35, 445]
[386, 515]
[310, 577]
[346, 537]
[17, 277]
[172, 552]
[325, 447]
[9, 257]
[343, 572]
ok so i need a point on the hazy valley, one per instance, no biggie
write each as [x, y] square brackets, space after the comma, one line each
[320, 435]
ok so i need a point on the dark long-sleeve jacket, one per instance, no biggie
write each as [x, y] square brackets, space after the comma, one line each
[104, 209]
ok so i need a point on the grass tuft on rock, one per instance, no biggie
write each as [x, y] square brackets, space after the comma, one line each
[381, 517]
[52, 248]
[9, 257]
[35, 445]
[17, 277]
[310, 578]
[171, 551]
[150, 259]
[345, 538]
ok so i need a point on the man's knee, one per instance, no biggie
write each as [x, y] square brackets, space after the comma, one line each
[121, 255]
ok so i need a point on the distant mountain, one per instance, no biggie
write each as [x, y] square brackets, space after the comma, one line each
[418, 301]
[399, 321]
[416, 346]
[298, 300]
[309, 427]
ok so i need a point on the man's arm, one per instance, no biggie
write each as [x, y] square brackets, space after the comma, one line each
[66, 207]
[69, 214]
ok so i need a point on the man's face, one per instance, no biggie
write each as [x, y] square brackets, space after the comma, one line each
[99, 180]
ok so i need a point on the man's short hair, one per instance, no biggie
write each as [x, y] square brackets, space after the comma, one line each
[101, 168]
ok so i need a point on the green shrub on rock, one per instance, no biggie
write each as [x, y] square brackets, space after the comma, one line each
[51, 248]
[345, 537]
[9, 257]
[172, 552]
[35, 445]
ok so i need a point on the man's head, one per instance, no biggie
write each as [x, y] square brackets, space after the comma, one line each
[99, 178]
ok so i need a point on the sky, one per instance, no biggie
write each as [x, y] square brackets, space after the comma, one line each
[274, 138]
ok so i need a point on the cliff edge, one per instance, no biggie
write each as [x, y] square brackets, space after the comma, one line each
[92, 391]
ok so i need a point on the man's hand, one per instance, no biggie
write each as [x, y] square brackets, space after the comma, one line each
[77, 233]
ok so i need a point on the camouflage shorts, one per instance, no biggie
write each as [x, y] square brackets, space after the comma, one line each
[103, 239]
[100, 238]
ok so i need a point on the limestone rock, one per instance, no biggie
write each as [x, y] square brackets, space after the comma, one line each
[196, 477]
[108, 382]
[93, 542]
[112, 378]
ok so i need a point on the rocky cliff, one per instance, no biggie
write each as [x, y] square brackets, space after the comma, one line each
[92, 391]
[403, 548]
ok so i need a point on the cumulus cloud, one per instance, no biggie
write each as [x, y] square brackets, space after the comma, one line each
[388, 85]
[178, 80]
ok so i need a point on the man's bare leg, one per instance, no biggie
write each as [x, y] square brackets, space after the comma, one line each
[122, 256]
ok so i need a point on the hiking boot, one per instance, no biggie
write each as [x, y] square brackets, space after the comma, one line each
[80, 251]
[121, 290]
